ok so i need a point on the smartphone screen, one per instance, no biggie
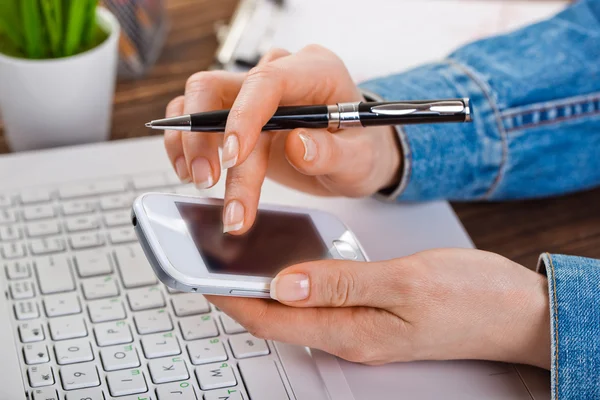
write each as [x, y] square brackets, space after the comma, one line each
[275, 241]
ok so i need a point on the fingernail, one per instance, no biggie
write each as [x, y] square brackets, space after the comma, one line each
[310, 148]
[182, 170]
[231, 149]
[290, 287]
[234, 217]
[202, 173]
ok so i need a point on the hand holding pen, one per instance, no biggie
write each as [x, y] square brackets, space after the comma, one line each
[349, 162]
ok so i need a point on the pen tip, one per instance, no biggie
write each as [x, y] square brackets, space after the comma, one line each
[148, 124]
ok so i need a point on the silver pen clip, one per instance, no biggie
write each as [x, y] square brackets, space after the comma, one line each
[447, 107]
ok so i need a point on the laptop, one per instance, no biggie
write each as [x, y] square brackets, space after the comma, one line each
[84, 318]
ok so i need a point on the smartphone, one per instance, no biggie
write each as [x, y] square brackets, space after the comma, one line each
[184, 242]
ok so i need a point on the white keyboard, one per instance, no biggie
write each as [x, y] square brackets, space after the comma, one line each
[91, 320]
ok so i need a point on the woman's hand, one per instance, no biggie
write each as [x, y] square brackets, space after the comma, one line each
[435, 305]
[354, 162]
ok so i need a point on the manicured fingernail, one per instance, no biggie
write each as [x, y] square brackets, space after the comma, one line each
[234, 217]
[310, 147]
[231, 150]
[182, 170]
[202, 173]
[290, 287]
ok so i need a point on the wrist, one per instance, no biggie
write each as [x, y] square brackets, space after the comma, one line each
[529, 343]
[394, 171]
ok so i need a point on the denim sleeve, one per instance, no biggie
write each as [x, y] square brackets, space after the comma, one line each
[535, 96]
[574, 289]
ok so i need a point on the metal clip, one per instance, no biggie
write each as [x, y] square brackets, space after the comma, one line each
[439, 107]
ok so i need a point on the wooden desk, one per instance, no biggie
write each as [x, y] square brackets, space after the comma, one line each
[518, 230]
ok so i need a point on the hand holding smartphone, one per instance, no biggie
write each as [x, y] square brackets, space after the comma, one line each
[184, 241]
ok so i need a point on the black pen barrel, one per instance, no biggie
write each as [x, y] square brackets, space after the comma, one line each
[285, 118]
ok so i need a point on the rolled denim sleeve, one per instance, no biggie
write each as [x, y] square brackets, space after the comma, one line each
[535, 97]
[574, 289]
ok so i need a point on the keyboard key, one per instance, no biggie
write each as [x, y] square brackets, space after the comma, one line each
[226, 394]
[40, 375]
[150, 181]
[54, 274]
[63, 328]
[166, 370]
[116, 201]
[57, 305]
[73, 351]
[145, 298]
[82, 223]
[262, 379]
[206, 351]
[92, 189]
[45, 393]
[42, 211]
[21, 290]
[177, 391]
[122, 235]
[160, 345]
[100, 287]
[117, 218]
[122, 383]
[152, 321]
[86, 241]
[79, 376]
[10, 251]
[245, 346]
[198, 327]
[77, 207]
[9, 232]
[86, 394]
[5, 200]
[27, 309]
[17, 270]
[8, 216]
[134, 267]
[31, 332]
[231, 326]
[190, 304]
[215, 376]
[111, 333]
[35, 196]
[106, 310]
[44, 246]
[92, 263]
[115, 358]
[42, 228]
[35, 353]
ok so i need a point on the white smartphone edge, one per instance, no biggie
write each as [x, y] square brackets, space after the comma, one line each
[165, 242]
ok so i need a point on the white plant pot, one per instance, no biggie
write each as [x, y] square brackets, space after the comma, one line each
[64, 101]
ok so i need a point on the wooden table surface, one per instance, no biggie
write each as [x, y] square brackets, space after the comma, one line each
[518, 230]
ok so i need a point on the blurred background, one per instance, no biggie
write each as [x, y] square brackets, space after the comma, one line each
[163, 42]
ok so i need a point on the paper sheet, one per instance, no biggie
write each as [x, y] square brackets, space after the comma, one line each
[379, 37]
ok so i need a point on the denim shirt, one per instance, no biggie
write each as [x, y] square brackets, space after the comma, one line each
[535, 96]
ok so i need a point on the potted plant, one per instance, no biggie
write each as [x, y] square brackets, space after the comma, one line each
[58, 61]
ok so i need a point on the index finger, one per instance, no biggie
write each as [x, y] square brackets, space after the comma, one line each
[303, 77]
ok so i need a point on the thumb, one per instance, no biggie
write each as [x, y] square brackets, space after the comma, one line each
[336, 283]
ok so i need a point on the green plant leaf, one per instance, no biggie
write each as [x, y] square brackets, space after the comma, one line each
[75, 24]
[90, 23]
[10, 26]
[52, 12]
[32, 28]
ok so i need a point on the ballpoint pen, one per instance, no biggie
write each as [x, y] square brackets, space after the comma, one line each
[338, 116]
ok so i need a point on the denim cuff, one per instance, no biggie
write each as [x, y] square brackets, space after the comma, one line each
[574, 289]
[456, 161]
